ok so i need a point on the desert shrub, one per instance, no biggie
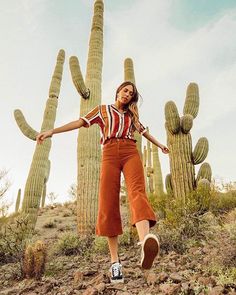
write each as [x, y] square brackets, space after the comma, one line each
[159, 203]
[70, 243]
[50, 224]
[67, 244]
[100, 245]
[223, 202]
[183, 222]
[13, 239]
[126, 238]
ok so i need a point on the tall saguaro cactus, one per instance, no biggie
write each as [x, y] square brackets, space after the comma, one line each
[152, 169]
[157, 173]
[129, 76]
[39, 169]
[18, 201]
[88, 150]
[182, 158]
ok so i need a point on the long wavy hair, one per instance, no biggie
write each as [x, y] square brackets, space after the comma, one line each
[132, 107]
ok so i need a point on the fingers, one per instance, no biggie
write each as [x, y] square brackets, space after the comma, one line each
[165, 150]
[40, 138]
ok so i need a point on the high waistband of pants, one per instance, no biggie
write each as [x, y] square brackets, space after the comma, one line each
[115, 139]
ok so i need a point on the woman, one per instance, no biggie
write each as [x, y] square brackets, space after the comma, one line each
[118, 122]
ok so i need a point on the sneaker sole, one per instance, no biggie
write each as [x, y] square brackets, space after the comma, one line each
[151, 250]
[117, 281]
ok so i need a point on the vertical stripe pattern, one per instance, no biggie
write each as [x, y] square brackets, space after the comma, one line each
[112, 122]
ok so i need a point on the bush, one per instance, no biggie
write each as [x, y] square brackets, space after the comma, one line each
[13, 239]
[100, 245]
[68, 244]
[50, 224]
[183, 222]
[223, 202]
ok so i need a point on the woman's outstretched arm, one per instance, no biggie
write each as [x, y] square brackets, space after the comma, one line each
[164, 149]
[67, 127]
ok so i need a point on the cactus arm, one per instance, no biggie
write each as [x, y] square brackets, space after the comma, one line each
[172, 117]
[186, 123]
[54, 88]
[77, 77]
[191, 105]
[200, 151]
[25, 128]
[204, 172]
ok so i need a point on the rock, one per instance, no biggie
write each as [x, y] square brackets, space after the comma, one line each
[218, 290]
[89, 272]
[151, 278]
[162, 277]
[97, 280]
[10, 291]
[78, 277]
[176, 278]
[90, 291]
[185, 286]
[170, 289]
[206, 281]
[101, 287]
[171, 265]
[7, 276]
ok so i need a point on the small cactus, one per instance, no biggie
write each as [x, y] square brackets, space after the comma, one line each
[28, 262]
[34, 260]
[39, 252]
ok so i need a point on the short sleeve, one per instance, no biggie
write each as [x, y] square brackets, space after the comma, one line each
[92, 117]
[140, 128]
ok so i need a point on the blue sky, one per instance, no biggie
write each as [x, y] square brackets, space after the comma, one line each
[172, 43]
[191, 14]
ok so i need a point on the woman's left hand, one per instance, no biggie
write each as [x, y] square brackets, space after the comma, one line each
[165, 149]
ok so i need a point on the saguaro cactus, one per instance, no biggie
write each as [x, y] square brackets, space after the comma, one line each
[39, 169]
[152, 169]
[157, 174]
[129, 76]
[182, 158]
[89, 151]
[18, 201]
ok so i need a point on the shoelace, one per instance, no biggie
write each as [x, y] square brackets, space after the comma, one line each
[116, 269]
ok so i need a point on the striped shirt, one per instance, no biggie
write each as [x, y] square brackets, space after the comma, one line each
[112, 122]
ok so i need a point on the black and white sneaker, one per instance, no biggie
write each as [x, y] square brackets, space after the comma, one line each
[116, 273]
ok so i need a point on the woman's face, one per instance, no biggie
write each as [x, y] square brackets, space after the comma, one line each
[125, 95]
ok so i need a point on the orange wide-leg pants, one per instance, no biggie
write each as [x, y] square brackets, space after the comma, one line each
[121, 155]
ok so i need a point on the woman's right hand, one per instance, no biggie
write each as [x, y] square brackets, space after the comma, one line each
[43, 135]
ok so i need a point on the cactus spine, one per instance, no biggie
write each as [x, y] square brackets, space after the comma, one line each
[39, 170]
[88, 150]
[182, 158]
[18, 201]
